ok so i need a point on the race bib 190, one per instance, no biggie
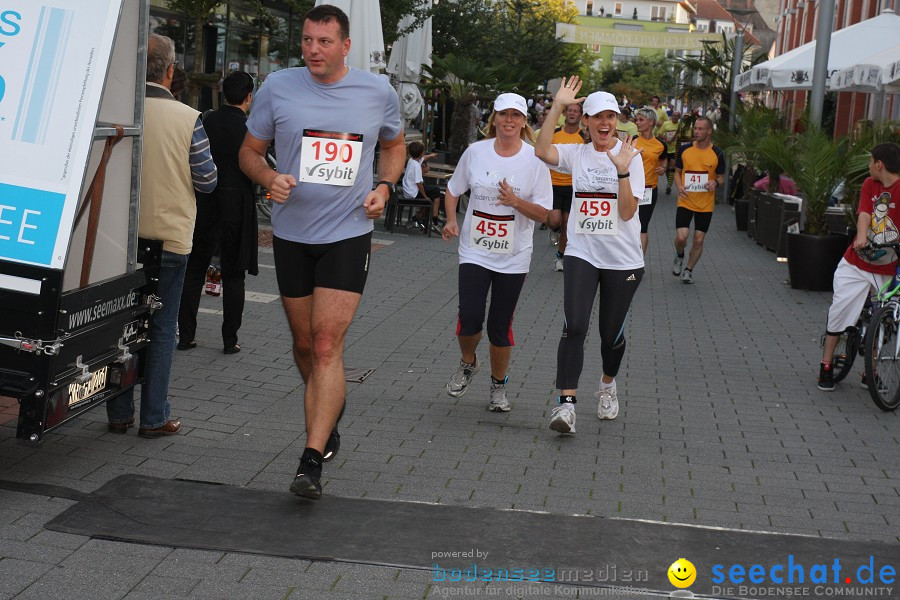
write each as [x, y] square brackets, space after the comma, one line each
[695, 181]
[330, 157]
[494, 233]
[647, 198]
[597, 213]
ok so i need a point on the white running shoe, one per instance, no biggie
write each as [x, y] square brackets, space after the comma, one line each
[499, 403]
[459, 381]
[677, 264]
[608, 403]
[687, 276]
[558, 264]
[562, 418]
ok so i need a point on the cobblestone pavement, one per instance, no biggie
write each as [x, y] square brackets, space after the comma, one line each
[720, 425]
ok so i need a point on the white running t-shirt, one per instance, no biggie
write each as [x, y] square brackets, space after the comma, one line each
[594, 176]
[412, 176]
[480, 171]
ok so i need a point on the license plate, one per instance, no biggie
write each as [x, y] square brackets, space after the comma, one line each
[79, 392]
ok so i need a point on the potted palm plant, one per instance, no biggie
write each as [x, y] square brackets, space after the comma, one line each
[817, 163]
[858, 164]
[758, 143]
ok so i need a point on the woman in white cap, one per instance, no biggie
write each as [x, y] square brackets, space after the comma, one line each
[604, 251]
[509, 189]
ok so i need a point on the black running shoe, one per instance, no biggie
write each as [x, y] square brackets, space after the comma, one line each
[332, 445]
[306, 482]
[826, 378]
[334, 440]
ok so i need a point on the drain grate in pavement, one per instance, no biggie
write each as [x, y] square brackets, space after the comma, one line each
[577, 550]
[356, 374]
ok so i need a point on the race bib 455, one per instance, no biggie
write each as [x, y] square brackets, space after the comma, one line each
[494, 233]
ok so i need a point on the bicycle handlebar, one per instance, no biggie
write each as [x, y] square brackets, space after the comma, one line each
[895, 245]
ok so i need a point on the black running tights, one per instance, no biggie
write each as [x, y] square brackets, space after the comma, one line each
[616, 289]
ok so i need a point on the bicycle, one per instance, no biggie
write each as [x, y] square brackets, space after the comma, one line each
[850, 344]
[876, 337]
[260, 194]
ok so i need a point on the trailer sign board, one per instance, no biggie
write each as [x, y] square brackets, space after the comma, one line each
[53, 62]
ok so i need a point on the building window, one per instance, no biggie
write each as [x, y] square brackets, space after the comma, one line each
[621, 52]
[618, 9]
[589, 11]
[724, 28]
[657, 13]
[701, 26]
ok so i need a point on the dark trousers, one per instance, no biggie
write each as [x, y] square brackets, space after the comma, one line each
[228, 232]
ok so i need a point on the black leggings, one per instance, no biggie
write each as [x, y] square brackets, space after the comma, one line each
[581, 283]
[474, 282]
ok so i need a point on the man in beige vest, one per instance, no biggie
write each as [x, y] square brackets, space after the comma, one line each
[176, 161]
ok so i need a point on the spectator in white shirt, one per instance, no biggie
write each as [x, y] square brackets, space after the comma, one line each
[414, 183]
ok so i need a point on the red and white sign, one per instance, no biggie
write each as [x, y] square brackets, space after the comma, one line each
[596, 213]
[493, 233]
[330, 157]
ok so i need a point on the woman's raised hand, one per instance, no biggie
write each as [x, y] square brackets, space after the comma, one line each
[567, 91]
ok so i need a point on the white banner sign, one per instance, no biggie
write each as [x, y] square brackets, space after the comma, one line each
[662, 40]
[53, 61]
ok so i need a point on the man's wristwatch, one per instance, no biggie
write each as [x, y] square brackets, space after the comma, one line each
[391, 187]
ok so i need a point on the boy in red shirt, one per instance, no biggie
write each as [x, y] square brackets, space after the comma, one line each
[860, 270]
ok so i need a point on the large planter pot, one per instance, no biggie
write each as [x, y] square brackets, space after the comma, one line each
[752, 205]
[812, 260]
[741, 213]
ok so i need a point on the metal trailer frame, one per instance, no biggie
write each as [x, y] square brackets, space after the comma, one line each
[59, 366]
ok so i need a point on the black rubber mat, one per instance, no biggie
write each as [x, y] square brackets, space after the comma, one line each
[42, 489]
[577, 550]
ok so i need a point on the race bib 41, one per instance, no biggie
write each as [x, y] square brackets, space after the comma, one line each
[695, 181]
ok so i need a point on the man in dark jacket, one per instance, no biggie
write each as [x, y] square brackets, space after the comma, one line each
[225, 218]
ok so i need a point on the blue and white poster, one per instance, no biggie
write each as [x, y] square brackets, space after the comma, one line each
[53, 60]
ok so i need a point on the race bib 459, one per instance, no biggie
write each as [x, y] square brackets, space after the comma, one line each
[597, 213]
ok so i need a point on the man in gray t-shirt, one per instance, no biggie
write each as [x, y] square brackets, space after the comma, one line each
[325, 120]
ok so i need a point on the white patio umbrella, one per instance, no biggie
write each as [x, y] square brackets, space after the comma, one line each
[366, 37]
[408, 54]
[878, 73]
[849, 46]
[757, 77]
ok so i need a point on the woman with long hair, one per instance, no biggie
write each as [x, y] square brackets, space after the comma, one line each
[509, 190]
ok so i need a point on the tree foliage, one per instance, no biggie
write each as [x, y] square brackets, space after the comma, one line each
[706, 79]
[393, 11]
[639, 79]
[517, 33]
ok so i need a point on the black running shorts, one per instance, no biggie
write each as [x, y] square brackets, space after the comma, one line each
[645, 211]
[684, 215]
[562, 198]
[342, 265]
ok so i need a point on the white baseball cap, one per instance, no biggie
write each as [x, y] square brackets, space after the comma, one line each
[600, 101]
[508, 100]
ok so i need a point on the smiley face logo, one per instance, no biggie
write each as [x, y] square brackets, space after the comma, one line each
[682, 573]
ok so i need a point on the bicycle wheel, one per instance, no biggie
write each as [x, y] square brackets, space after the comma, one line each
[263, 201]
[883, 357]
[845, 353]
